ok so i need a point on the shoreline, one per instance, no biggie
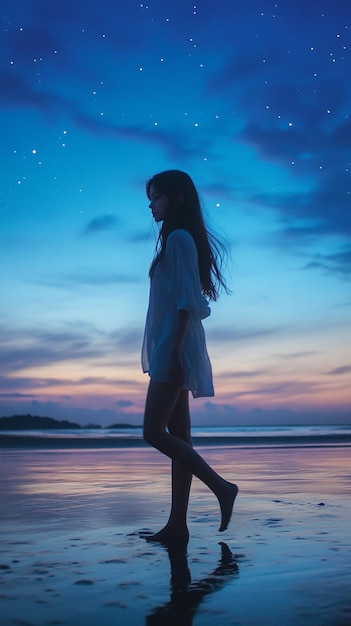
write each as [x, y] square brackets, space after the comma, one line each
[81, 442]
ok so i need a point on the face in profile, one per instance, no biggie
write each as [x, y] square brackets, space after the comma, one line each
[158, 204]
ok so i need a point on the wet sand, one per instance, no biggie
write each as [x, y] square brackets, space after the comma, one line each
[73, 551]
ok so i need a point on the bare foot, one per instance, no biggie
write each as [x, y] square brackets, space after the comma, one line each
[226, 502]
[170, 533]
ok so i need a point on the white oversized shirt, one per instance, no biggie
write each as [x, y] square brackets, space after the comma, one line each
[175, 285]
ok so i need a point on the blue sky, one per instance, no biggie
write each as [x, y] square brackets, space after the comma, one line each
[253, 100]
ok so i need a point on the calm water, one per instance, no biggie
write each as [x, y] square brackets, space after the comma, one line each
[244, 432]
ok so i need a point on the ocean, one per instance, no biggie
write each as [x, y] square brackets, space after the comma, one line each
[202, 436]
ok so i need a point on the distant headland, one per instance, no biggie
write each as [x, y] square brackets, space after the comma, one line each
[34, 422]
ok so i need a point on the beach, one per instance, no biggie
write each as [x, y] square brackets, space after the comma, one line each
[74, 522]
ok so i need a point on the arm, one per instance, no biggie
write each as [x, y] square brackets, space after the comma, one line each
[177, 371]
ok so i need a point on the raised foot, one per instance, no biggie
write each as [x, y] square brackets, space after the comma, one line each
[226, 502]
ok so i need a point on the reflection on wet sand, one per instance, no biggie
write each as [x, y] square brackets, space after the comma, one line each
[70, 552]
[186, 596]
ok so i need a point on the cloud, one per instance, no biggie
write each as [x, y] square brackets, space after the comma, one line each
[292, 104]
[32, 41]
[321, 212]
[338, 264]
[101, 223]
[177, 144]
[40, 351]
[296, 355]
[17, 395]
[309, 145]
[35, 347]
[17, 92]
[224, 191]
[124, 403]
[244, 334]
[344, 369]
[288, 389]
[127, 339]
[85, 278]
[273, 77]
[53, 32]
[18, 382]
[241, 374]
[229, 415]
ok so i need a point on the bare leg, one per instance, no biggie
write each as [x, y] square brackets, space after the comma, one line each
[179, 426]
[160, 402]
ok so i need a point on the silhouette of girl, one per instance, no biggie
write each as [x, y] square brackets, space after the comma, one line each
[184, 271]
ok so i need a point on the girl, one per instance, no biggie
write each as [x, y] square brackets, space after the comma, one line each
[183, 272]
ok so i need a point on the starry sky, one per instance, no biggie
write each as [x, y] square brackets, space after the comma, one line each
[253, 99]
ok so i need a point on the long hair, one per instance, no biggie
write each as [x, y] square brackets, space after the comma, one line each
[184, 211]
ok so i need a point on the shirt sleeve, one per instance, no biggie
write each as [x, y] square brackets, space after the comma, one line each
[184, 278]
